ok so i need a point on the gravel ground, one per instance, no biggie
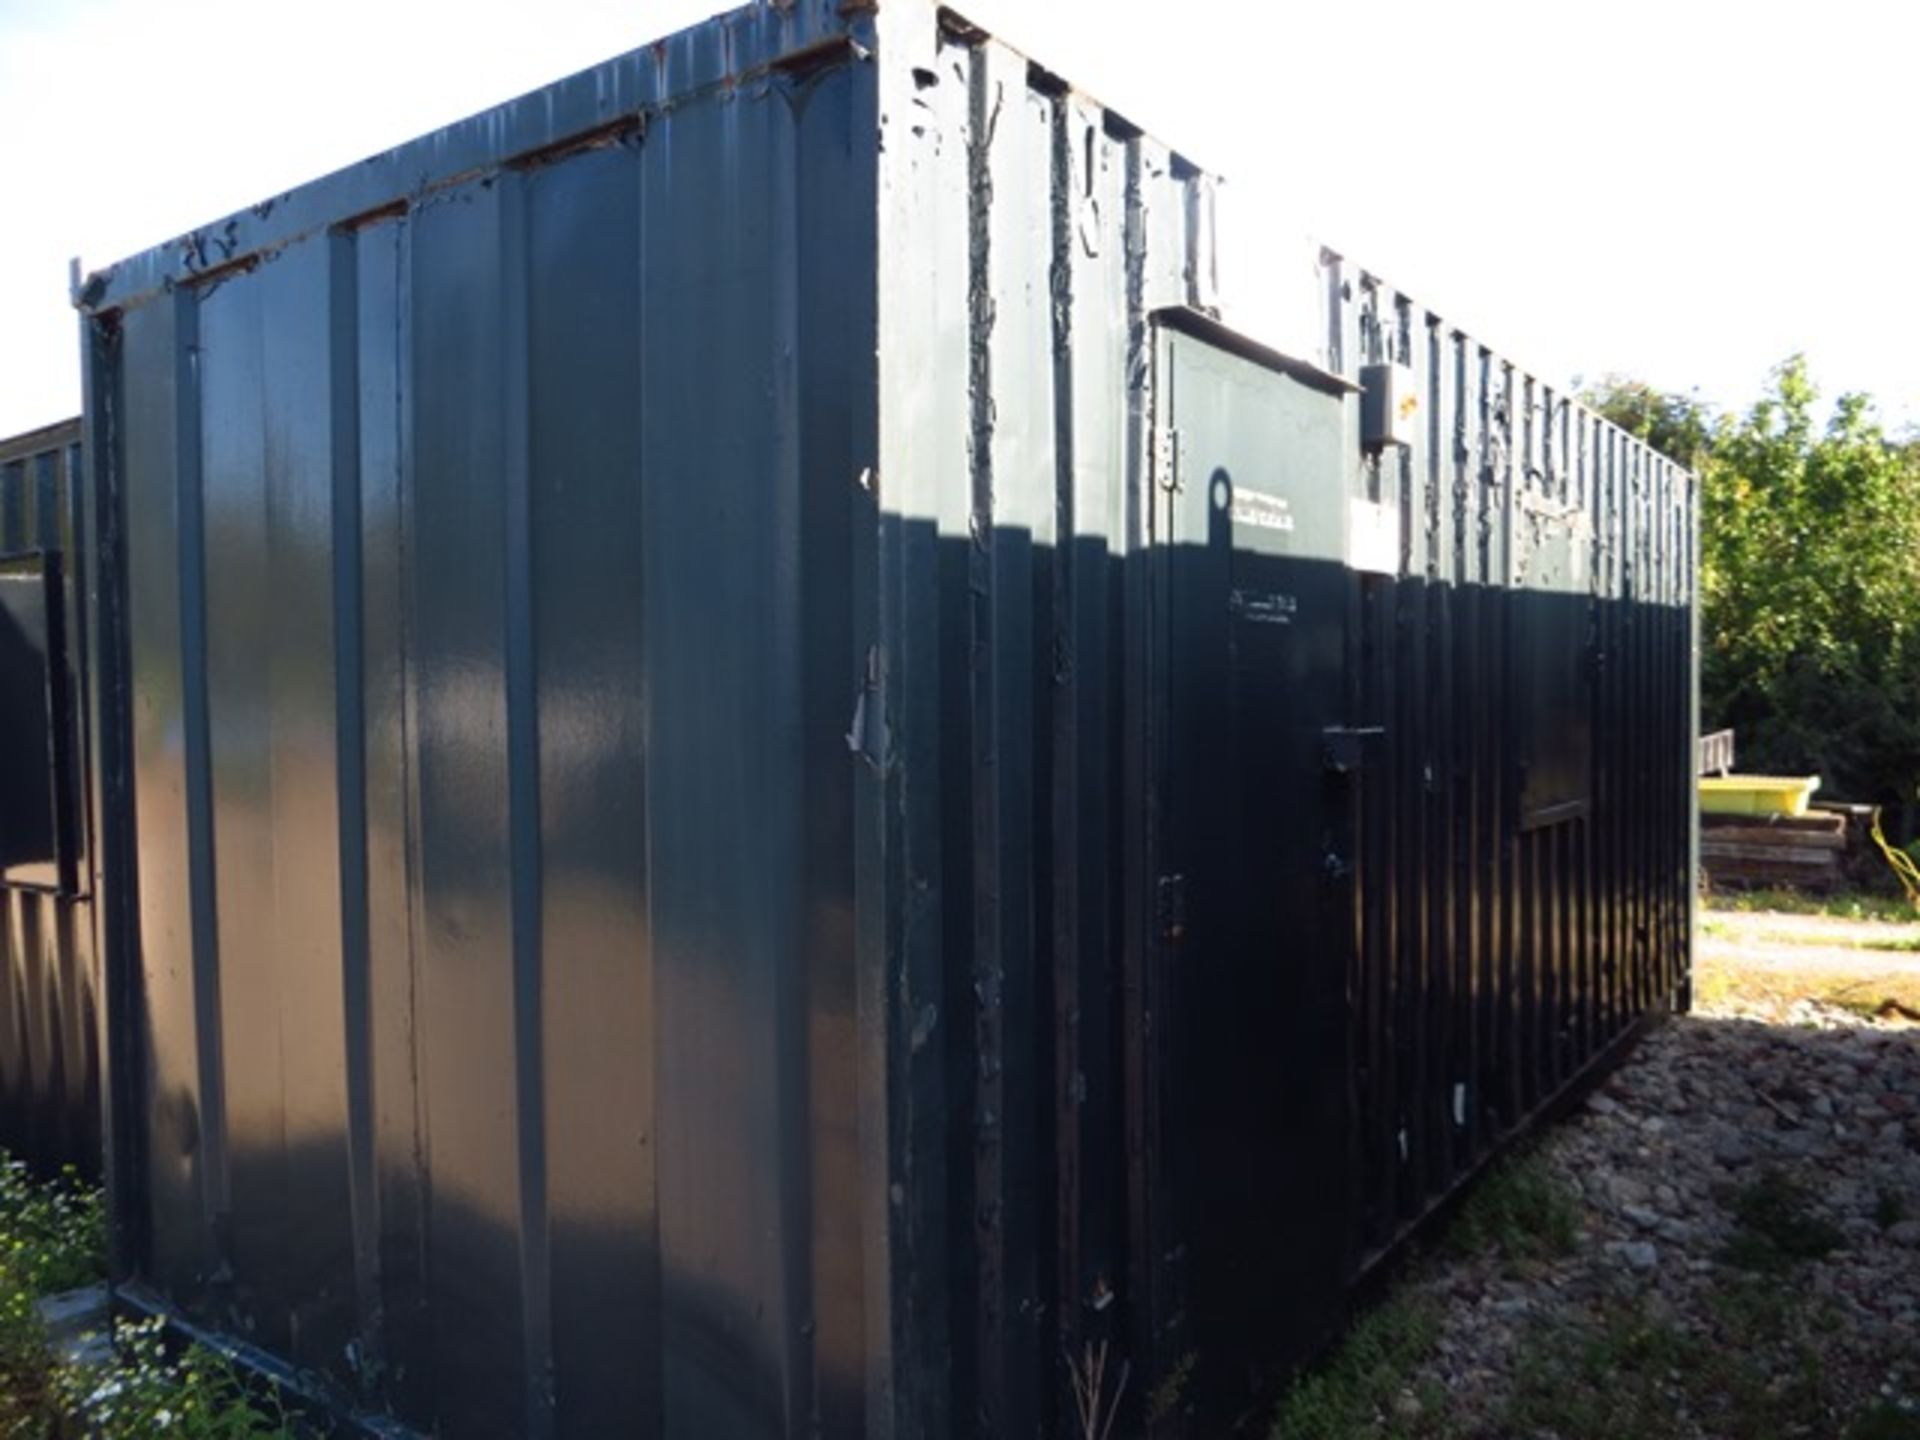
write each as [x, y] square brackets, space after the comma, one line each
[1739, 1256]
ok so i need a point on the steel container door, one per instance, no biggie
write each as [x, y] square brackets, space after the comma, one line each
[1253, 455]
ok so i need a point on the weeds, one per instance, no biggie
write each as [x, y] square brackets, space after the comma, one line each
[1522, 1210]
[149, 1390]
[1775, 1226]
[1165, 1397]
[53, 1238]
[1617, 1379]
[1355, 1392]
[1638, 1373]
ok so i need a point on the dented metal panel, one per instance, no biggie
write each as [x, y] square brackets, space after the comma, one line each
[49, 988]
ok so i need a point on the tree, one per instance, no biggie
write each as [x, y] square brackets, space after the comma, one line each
[1678, 426]
[1810, 581]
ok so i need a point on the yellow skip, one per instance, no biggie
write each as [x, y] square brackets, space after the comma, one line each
[1757, 794]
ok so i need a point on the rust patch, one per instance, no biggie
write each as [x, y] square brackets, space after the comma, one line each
[810, 60]
[617, 131]
[224, 270]
[392, 210]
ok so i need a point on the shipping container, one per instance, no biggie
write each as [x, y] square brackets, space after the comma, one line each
[49, 991]
[755, 782]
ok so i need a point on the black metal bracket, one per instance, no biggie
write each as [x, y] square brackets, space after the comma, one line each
[1346, 748]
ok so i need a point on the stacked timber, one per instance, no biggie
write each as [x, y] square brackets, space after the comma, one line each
[1862, 866]
[1804, 851]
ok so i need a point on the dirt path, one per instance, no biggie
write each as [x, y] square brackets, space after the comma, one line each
[1803, 942]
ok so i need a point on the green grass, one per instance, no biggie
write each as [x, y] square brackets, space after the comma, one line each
[1355, 1392]
[1885, 1422]
[1831, 940]
[1614, 1378]
[1776, 1226]
[1749, 1363]
[1637, 1372]
[1856, 905]
[1863, 988]
[1747, 1359]
[1521, 1209]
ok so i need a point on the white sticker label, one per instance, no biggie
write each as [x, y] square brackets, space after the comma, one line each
[1373, 537]
[1263, 512]
[1263, 607]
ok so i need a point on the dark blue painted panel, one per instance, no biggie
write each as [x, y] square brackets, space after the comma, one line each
[50, 1073]
[458, 372]
[587, 333]
[648, 682]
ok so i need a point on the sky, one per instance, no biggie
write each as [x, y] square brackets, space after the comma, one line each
[1682, 191]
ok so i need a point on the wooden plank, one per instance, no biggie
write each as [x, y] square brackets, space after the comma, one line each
[1823, 824]
[1766, 854]
[1780, 839]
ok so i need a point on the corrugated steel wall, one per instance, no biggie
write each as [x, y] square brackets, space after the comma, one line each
[625, 795]
[486, 517]
[627, 777]
[1526, 868]
[1007, 803]
[49, 986]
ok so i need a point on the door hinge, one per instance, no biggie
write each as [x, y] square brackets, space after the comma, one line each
[1171, 903]
[1166, 456]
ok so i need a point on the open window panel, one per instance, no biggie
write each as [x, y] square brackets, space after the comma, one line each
[38, 817]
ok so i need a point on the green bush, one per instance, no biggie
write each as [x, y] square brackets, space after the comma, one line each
[1809, 545]
[53, 1238]
[150, 1389]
